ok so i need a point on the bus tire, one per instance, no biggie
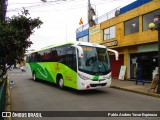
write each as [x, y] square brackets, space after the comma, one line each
[60, 82]
[34, 76]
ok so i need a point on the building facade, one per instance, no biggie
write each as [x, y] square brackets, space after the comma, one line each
[83, 36]
[128, 33]
[86, 34]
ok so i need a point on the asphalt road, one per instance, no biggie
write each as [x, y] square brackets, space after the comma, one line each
[27, 95]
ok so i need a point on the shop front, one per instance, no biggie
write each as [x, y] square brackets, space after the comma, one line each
[149, 62]
[116, 65]
[147, 55]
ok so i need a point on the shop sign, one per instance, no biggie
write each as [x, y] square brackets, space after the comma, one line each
[112, 43]
[147, 48]
[122, 72]
[94, 30]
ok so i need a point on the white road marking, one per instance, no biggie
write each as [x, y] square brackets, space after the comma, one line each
[17, 74]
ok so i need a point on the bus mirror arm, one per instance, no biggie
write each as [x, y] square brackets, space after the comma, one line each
[115, 52]
[80, 50]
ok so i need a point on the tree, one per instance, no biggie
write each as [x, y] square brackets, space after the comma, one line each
[14, 38]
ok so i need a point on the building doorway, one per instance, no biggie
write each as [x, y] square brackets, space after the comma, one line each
[149, 63]
[116, 65]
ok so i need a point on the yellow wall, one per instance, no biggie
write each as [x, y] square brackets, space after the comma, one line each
[95, 35]
[137, 38]
[127, 44]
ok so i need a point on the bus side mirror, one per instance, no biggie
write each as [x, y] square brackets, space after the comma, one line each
[115, 52]
[80, 50]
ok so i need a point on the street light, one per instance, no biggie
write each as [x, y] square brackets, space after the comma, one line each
[156, 26]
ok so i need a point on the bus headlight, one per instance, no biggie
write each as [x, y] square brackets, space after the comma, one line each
[108, 77]
[83, 77]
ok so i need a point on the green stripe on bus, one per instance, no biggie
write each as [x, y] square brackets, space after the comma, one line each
[95, 78]
[49, 70]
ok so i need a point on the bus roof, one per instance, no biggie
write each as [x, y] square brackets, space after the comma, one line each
[89, 44]
[51, 46]
[69, 43]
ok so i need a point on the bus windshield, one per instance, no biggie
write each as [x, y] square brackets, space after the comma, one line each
[95, 61]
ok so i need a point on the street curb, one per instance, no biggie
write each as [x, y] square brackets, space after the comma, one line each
[8, 99]
[139, 92]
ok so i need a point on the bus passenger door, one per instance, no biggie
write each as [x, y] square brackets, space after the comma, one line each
[71, 68]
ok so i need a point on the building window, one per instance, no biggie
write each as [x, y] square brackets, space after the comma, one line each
[83, 39]
[148, 18]
[109, 33]
[131, 26]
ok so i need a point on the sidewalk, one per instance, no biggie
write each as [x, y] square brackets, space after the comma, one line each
[131, 86]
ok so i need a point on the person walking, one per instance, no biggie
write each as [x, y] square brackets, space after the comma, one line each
[139, 73]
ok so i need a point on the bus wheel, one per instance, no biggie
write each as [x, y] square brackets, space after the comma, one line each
[60, 82]
[34, 76]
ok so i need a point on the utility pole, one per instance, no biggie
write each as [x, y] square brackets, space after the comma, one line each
[89, 7]
[66, 32]
[3, 8]
[156, 26]
[44, 0]
[91, 13]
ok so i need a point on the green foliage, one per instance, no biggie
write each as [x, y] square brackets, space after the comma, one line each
[14, 38]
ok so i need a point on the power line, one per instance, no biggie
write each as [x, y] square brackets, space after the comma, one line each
[38, 4]
[24, 3]
[58, 2]
[75, 7]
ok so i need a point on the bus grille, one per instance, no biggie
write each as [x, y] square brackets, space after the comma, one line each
[95, 85]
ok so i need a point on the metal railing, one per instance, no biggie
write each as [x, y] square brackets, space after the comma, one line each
[3, 89]
[99, 20]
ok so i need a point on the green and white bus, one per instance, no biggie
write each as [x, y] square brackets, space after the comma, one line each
[77, 65]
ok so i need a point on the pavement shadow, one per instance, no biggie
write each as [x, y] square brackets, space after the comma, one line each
[71, 90]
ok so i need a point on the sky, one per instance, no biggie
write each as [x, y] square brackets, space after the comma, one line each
[60, 17]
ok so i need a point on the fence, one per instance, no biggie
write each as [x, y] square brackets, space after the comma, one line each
[100, 19]
[3, 89]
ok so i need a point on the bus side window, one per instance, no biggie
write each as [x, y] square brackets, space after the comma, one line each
[71, 58]
[61, 54]
[53, 55]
